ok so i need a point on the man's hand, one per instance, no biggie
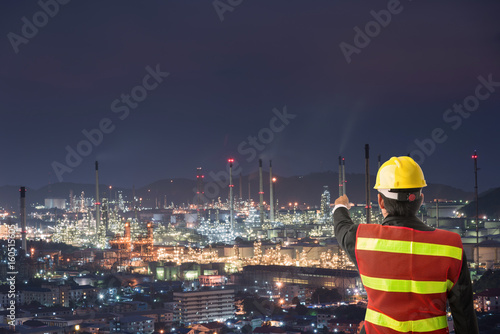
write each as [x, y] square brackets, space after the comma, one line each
[344, 201]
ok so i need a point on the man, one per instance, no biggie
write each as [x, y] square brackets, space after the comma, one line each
[409, 270]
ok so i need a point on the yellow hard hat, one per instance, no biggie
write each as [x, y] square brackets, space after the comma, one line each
[400, 173]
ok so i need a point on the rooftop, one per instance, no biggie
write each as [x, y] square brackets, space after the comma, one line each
[269, 329]
[489, 243]
[134, 318]
[489, 293]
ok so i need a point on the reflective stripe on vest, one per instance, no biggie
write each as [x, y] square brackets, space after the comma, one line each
[408, 247]
[407, 274]
[422, 325]
[400, 285]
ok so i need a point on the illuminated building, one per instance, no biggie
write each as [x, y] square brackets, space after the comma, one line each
[212, 280]
[488, 301]
[203, 306]
[132, 324]
[141, 247]
[312, 277]
[216, 231]
[343, 325]
[59, 203]
[121, 202]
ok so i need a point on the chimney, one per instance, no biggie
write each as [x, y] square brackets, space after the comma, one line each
[271, 191]
[341, 181]
[71, 203]
[231, 199]
[476, 198]
[249, 188]
[23, 219]
[199, 189]
[97, 203]
[261, 193]
[344, 183]
[241, 187]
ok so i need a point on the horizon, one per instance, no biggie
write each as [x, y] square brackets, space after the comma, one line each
[129, 187]
[289, 189]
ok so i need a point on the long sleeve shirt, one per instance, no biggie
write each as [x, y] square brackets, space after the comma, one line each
[460, 297]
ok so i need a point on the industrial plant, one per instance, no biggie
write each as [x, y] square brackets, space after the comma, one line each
[282, 252]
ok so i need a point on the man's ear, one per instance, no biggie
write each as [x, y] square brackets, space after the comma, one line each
[381, 202]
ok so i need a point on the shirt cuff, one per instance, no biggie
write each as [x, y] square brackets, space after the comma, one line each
[338, 206]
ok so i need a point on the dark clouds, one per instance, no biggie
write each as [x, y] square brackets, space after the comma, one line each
[226, 77]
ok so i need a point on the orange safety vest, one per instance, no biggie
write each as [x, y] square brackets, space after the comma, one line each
[407, 274]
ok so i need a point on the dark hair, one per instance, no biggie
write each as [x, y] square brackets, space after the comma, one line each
[403, 208]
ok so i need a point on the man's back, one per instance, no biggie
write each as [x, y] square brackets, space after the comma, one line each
[407, 274]
[409, 269]
[459, 297]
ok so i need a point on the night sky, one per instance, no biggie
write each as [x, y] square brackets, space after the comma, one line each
[225, 78]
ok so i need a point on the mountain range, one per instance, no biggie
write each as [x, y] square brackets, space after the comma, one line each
[304, 189]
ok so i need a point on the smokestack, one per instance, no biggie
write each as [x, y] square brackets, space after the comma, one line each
[271, 191]
[135, 202]
[23, 219]
[97, 203]
[476, 197]
[261, 193]
[249, 195]
[71, 203]
[367, 180]
[241, 187]
[199, 188]
[341, 181]
[231, 200]
[105, 213]
[249, 188]
[344, 184]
